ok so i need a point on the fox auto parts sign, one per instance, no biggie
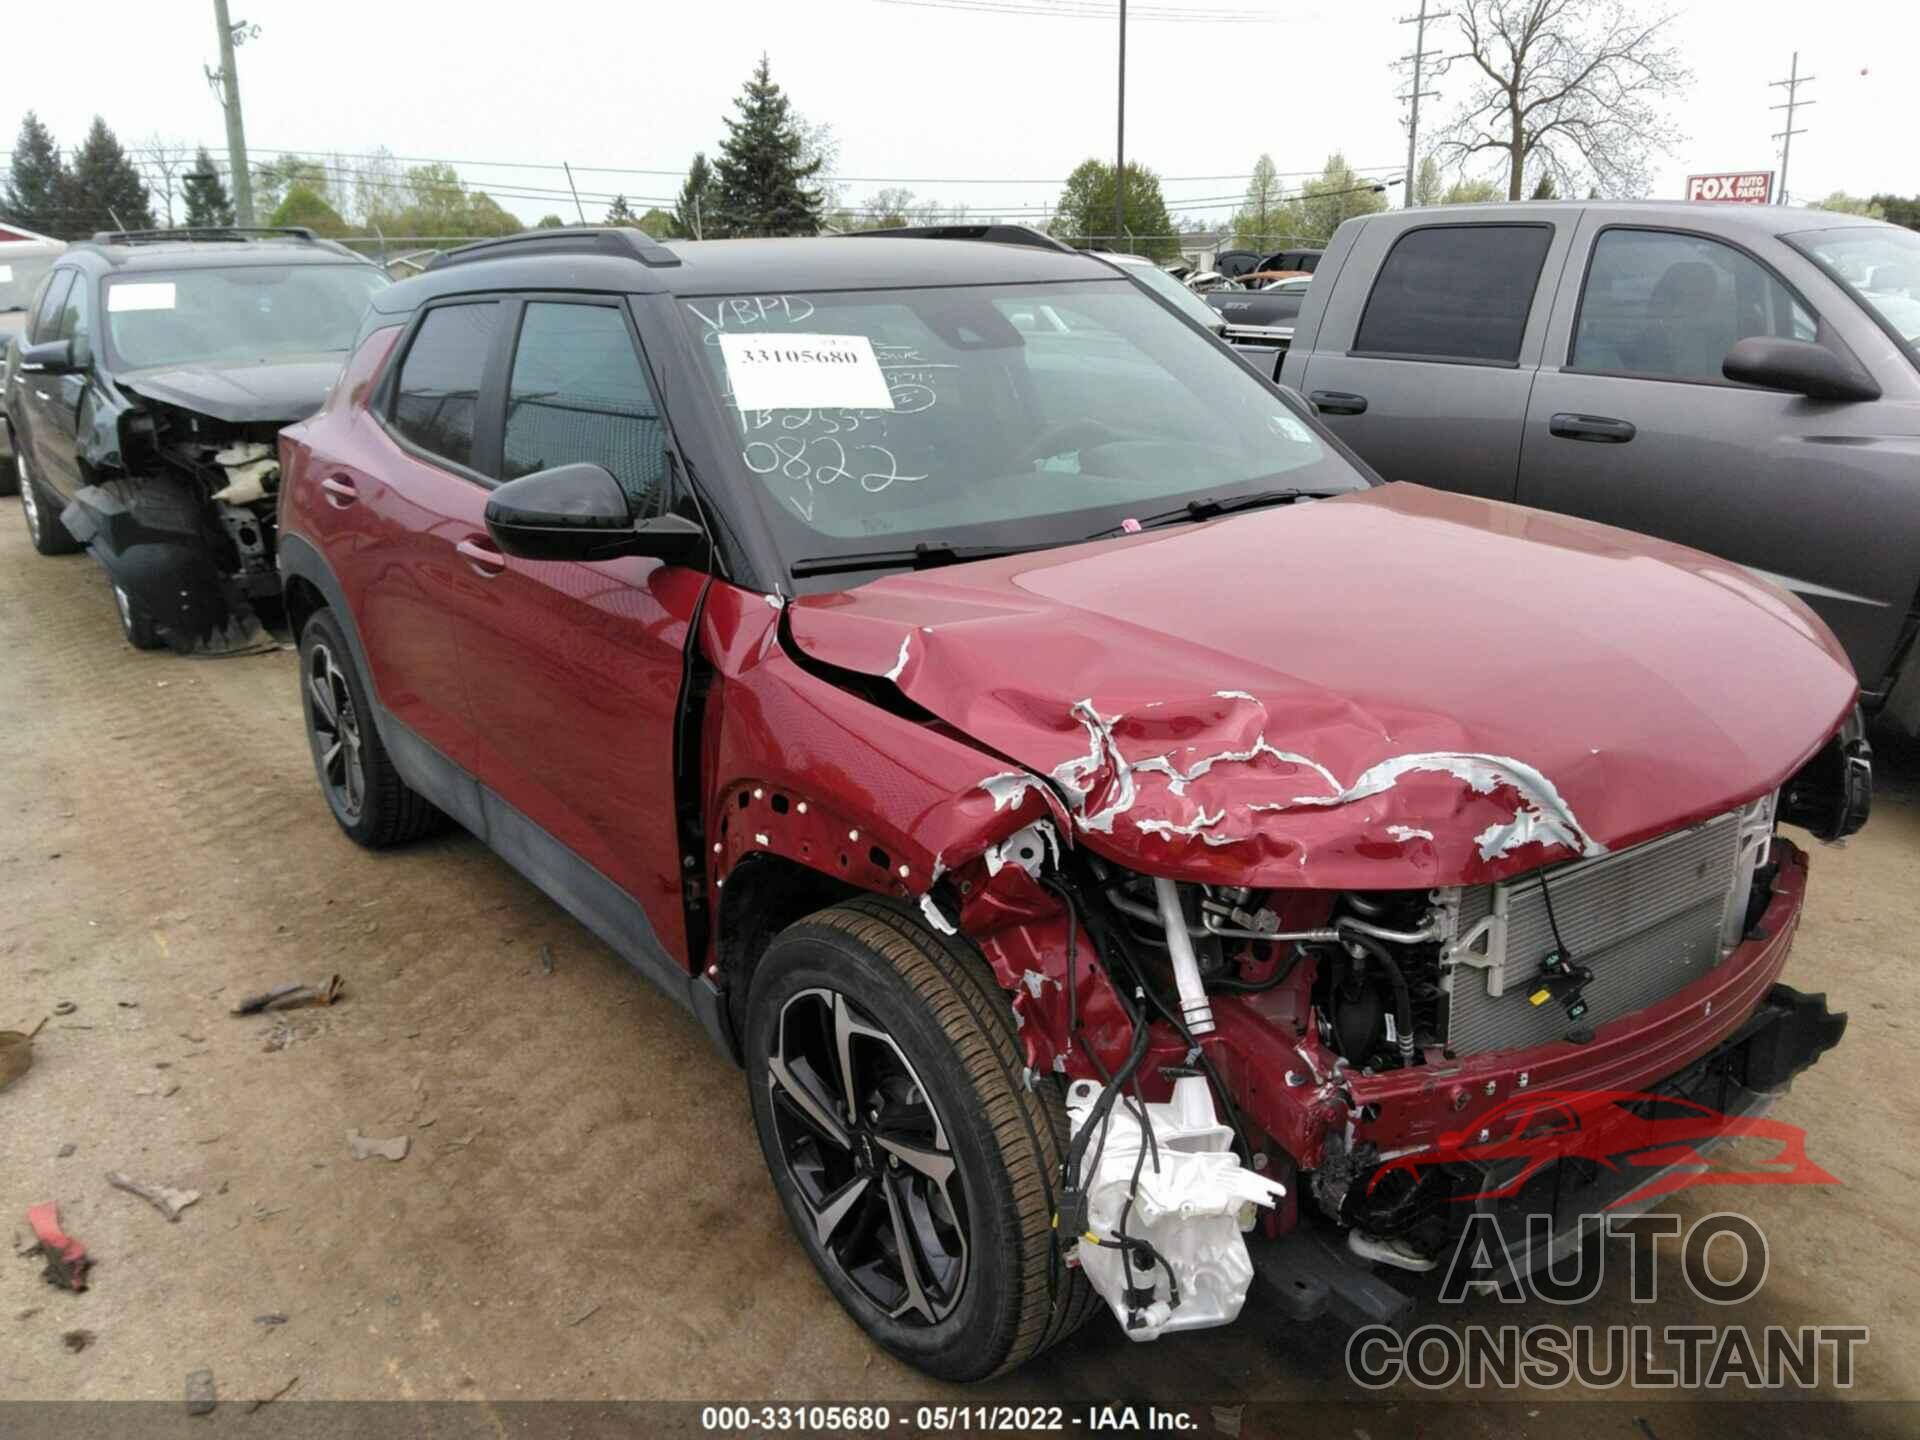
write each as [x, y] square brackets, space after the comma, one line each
[1740, 187]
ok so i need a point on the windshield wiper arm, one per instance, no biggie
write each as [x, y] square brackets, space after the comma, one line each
[921, 557]
[1208, 508]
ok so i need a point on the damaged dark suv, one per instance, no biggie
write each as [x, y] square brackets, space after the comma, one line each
[1092, 807]
[144, 398]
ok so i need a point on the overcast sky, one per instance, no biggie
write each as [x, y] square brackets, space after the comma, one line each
[917, 95]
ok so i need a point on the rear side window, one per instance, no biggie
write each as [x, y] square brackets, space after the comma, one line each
[579, 394]
[1670, 306]
[438, 395]
[46, 319]
[1455, 292]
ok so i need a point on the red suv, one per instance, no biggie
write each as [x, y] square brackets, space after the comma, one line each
[951, 674]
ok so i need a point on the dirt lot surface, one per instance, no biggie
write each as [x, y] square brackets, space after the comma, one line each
[583, 1211]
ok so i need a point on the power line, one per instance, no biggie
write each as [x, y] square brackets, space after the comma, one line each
[1090, 10]
[1792, 85]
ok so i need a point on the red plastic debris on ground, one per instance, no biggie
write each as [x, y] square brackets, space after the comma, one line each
[66, 1258]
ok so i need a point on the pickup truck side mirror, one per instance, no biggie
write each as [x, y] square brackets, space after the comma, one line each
[579, 512]
[49, 357]
[1799, 367]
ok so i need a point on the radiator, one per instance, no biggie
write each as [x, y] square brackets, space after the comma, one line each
[1646, 921]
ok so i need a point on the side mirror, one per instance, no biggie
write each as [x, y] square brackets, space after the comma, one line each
[579, 512]
[50, 357]
[1798, 367]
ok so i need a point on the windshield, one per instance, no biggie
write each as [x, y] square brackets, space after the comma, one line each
[1156, 279]
[1879, 265]
[20, 276]
[989, 415]
[248, 312]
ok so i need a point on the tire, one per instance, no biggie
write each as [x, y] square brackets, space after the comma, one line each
[366, 794]
[49, 536]
[950, 1155]
[9, 467]
[135, 623]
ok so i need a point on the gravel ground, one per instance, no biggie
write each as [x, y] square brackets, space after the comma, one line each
[583, 1211]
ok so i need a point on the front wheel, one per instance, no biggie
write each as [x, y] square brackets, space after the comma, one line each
[44, 528]
[914, 1161]
[135, 623]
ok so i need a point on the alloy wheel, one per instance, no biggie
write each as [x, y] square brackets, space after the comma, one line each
[336, 731]
[866, 1154]
[29, 502]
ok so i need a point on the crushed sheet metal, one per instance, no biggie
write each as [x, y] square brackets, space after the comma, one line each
[930, 908]
[900, 665]
[1406, 834]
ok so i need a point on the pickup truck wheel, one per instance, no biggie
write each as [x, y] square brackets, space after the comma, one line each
[366, 794]
[49, 536]
[914, 1161]
[135, 623]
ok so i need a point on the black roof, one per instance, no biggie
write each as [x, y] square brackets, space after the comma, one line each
[544, 260]
[209, 248]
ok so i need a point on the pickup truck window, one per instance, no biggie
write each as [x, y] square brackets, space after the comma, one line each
[1455, 292]
[1879, 265]
[1669, 306]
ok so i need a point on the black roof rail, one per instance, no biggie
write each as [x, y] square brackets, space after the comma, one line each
[992, 234]
[201, 232]
[620, 241]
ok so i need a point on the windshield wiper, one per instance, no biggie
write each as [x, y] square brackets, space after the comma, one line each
[921, 557]
[1213, 505]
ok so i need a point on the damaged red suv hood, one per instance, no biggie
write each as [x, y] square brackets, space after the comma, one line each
[1399, 687]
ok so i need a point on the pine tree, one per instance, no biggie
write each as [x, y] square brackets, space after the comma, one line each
[104, 190]
[619, 212]
[763, 166]
[699, 199]
[207, 199]
[1544, 190]
[34, 193]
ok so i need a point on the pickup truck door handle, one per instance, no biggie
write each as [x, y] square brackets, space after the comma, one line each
[1338, 402]
[1599, 429]
[340, 491]
[482, 558]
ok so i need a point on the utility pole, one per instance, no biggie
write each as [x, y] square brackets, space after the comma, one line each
[227, 77]
[1418, 57]
[1791, 85]
[1120, 138]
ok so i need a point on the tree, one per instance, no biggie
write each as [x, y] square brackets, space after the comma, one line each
[1544, 189]
[36, 186]
[886, 208]
[763, 169]
[272, 181]
[1900, 210]
[1574, 87]
[1844, 204]
[207, 199]
[619, 212]
[1338, 194]
[699, 201]
[377, 189]
[164, 159]
[550, 221]
[103, 189]
[302, 207]
[1427, 187]
[1471, 192]
[439, 204]
[1254, 222]
[1084, 212]
[658, 223]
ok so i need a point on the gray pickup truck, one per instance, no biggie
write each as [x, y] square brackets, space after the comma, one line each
[1741, 379]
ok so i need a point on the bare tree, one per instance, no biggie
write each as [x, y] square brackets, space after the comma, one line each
[160, 160]
[1570, 88]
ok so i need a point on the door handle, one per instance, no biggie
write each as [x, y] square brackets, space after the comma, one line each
[1338, 402]
[483, 559]
[340, 491]
[1600, 429]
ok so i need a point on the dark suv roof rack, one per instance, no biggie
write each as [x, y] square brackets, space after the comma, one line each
[992, 234]
[621, 241]
[202, 232]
